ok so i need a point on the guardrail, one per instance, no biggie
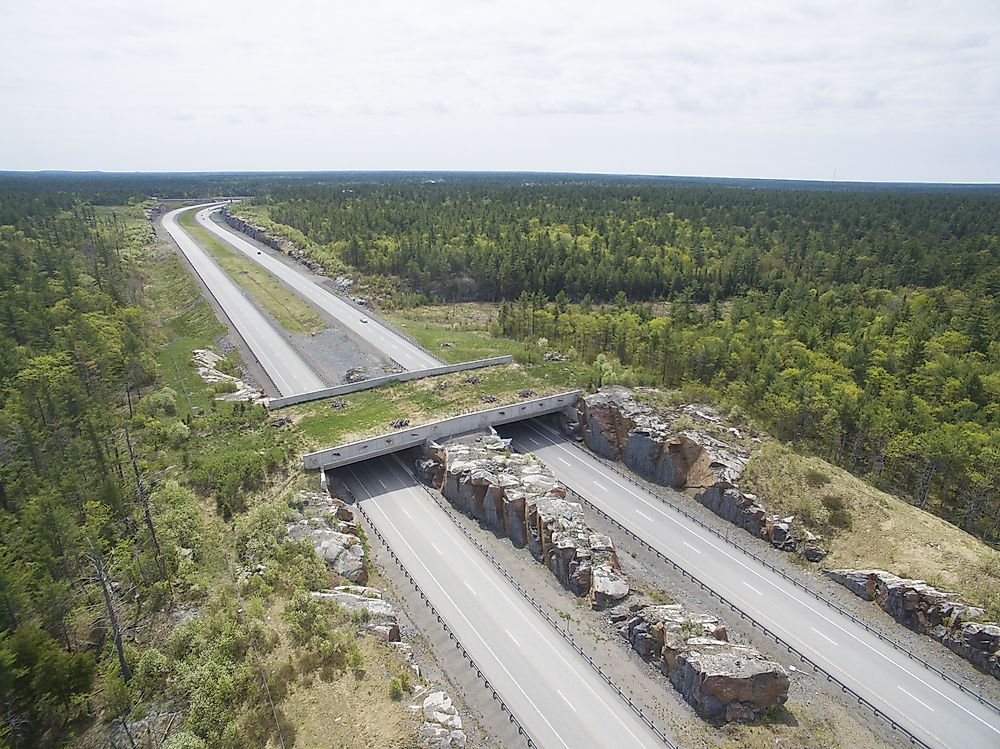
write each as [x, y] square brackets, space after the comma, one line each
[637, 709]
[458, 643]
[802, 586]
[913, 739]
[374, 382]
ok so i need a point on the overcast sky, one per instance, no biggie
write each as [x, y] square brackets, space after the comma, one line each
[864, 90]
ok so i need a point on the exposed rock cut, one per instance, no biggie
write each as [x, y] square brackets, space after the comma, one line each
[328, 524]
[721, 680]
[933, 612]
[513, 495]
[261, 235]
[618, 427]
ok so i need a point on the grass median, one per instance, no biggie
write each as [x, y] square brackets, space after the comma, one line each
[284, 305]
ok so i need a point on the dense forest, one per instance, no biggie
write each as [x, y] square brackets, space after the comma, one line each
[859, 321]
[118, 605]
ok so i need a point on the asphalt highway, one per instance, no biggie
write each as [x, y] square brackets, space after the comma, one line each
[933, 709]
[286, 369]
[383, 338]
[557, 697]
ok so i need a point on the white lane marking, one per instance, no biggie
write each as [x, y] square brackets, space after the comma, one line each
[791, 594]
[513, 639]
[640, 512]
[381, 483]
[696, 551]
[471, 589]
[559, 691]
[602, 488]
[823, 636]
[436, 548]
[914, 698]
[752, 587]
[564, 461]
[406, 512]
[458, 611]
[546, 634]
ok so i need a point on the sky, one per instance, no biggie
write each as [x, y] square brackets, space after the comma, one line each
[872, 90]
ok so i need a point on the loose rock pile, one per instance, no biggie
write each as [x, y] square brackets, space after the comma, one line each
[515, 496]
[442, 726]
[329, 525]
[207, 361]
[933, 612]
[618, 427]
[721, 680]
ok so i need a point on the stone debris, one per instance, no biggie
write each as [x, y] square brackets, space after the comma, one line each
[338, 403]
[721, 680]
[442, 726]
[489, 399]
[356, 374]
[400, 423]
[472, 380]
[207, 361]
[329, 525]
[617, 426]
[515, 496]
[553, 356]
[935, 613]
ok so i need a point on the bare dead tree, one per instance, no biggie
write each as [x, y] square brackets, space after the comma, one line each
[144, 503]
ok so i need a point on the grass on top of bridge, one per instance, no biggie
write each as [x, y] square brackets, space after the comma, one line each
[372, 412]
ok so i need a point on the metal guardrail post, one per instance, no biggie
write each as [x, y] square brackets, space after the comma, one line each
[521, 731]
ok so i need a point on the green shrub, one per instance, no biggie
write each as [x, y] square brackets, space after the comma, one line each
[839, 515]
[184, 740]
[815, 478]
[395, 689]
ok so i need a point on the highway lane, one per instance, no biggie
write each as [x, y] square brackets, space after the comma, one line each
[383, 338]
[931, 708]
[555, 694]
[286, 369]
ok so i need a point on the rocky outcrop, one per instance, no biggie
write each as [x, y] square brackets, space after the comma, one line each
[208, 361]
[261, 235]
[328, 524]
[933, 612]
[721, 680]
[513, 495]
[617, 426]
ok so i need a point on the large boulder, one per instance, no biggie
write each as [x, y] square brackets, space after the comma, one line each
[515, 496]
[722, 681]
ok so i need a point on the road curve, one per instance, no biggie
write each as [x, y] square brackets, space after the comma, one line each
[554, 693]
[383, 338]
[286, 369]
[931, 708]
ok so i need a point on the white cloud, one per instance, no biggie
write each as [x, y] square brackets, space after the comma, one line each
[873, 88]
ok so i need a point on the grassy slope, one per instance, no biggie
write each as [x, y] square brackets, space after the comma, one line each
[885, 532]
[291, 312]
